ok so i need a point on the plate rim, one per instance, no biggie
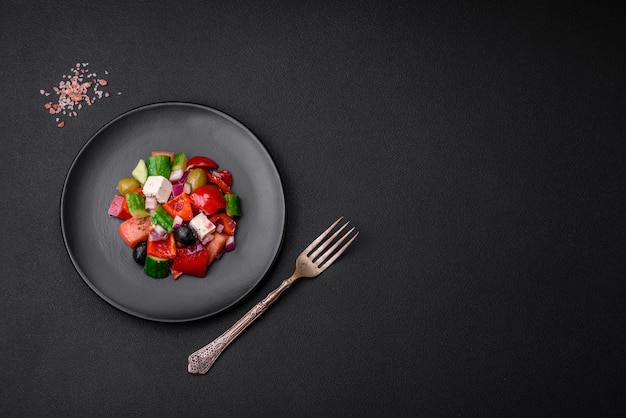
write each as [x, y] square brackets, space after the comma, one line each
[126, 114]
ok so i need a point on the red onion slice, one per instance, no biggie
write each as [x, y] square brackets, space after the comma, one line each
[177, 188]
[158, 233]
[230, 244]
[207, 239]
[151, 203]
[176, 175]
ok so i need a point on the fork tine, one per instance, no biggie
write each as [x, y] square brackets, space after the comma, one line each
[326, 243]
[322, 265]
[319, 239]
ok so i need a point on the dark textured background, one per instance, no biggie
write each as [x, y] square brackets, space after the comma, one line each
[478, 147]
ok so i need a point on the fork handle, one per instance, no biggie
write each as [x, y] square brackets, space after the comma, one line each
[201, 360]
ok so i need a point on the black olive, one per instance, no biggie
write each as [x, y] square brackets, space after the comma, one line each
[139, 253]
[185, 235]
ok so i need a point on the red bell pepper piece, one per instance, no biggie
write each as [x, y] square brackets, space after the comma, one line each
[163, 248]
[201, 161]
[213, 177]
[119, 208]
[208, 198]
[191, 260]
[228, 222]
[180, 206]
[226, 176]
[175, 274]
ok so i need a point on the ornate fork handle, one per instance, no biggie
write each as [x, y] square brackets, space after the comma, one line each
[201, 360]
[311, 262]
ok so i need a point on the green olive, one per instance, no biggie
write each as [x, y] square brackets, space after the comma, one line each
[196, 178]
[127, 184]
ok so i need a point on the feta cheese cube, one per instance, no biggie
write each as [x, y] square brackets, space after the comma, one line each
[159, 187]
[202, 226]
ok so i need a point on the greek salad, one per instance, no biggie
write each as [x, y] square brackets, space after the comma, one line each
[178, 214]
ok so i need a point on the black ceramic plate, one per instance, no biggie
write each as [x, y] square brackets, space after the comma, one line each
[105, 263]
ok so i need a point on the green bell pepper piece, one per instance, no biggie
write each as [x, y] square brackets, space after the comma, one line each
[233, 205]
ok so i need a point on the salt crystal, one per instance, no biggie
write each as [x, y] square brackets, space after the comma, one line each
[75, 92]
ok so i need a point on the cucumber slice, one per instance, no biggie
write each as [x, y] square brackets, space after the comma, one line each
[180, 162]
[156, 267]
[136, 205]
[162, 218]
[140, 172]
[159, 165]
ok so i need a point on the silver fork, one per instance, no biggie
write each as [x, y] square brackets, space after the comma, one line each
[310, 263]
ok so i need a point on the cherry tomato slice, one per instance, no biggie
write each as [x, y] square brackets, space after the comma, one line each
[215, 247]
[201, 161]
[208, 198]
[213, 177]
